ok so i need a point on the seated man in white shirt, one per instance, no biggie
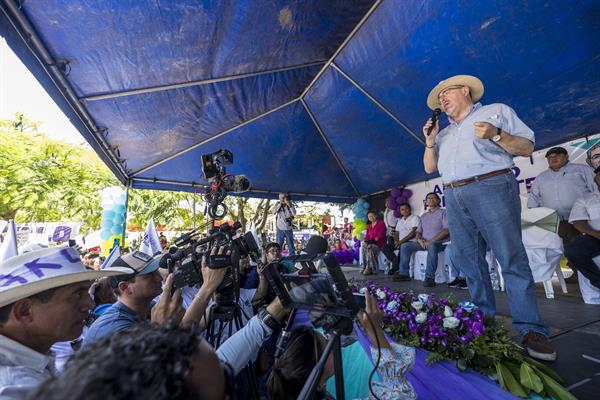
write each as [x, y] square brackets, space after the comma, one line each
[585, 216]
[406, 230]
[43, 300]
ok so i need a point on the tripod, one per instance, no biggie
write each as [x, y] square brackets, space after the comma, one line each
[227, 316]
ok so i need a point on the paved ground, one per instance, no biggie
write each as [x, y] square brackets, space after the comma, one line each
[574, 329]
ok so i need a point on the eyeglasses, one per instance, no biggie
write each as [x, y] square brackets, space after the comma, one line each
[445, 92]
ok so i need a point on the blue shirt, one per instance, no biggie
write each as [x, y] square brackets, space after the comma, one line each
[560, 189]
[461, 155]
[116, 318]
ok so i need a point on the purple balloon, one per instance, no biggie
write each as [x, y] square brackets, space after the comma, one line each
[396, 192]
[401, 200]
[392, 203]
[406, 193]
[397, 214]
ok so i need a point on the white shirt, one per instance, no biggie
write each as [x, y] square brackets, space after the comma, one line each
[390, 221]
[560, 189]
[587, 209]
[405, 225]
[21, 369]
[283, 212]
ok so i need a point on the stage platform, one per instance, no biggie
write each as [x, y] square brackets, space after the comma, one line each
[574, 328]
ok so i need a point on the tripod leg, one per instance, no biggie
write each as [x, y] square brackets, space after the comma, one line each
[339, 370]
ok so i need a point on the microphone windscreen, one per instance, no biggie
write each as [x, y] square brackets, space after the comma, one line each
[316, 245]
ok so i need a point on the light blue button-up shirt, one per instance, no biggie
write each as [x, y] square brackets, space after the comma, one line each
[462, 155]
[560, 189]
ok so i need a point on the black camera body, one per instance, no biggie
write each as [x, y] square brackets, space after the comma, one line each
[186, 261]
[213, 168]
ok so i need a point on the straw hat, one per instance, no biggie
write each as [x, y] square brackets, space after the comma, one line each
[31, 273]
[472, 82]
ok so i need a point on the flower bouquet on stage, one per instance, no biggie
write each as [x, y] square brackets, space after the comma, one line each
[449, 330]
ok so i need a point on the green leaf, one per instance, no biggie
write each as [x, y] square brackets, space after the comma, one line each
[469, 354]
[529, 378]
[461, 365]
[555, 389]
[508, 381]
[543, 368]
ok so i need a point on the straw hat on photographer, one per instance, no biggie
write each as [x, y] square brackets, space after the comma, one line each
[28, 274]
[475, 85]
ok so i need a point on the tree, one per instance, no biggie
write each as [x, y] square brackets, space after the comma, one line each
[47, 180]
[43, 180]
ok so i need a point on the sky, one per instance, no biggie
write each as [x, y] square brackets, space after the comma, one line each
[21, 92]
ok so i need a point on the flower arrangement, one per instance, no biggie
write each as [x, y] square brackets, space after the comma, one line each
[459, 332]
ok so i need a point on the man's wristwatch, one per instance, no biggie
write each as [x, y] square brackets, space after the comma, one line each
[268, 319]
[496, 138]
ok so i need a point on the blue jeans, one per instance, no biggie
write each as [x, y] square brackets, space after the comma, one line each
[489, 211]
[289, 238]
[454, 270]
[408, 248]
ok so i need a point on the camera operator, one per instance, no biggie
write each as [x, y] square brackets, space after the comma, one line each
[136, 291]
[150, 361]
[285, 213]
[248, 298]
[306, 345]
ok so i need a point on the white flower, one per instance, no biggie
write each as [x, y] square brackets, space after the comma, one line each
[363, 290]
[451, 322]
[423, 298]
[421, 317]
[448, 312]
[381, 294]
[417, 305]
[391, 305]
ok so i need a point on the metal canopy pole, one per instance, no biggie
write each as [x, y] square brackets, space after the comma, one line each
[377, 103]
[333, 153]
[339, 50]
[200, 82]
[126, 209]
[218, 135]
[198, 185]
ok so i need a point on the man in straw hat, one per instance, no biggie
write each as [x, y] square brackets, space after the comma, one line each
[474, 155]
[43, 300]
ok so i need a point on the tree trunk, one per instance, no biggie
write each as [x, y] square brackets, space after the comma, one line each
[264, 216]
[241, 204]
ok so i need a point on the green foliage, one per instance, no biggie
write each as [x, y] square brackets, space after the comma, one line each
[48, 180]
[44, 180]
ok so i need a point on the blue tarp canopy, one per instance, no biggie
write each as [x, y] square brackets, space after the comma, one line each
[321, 98]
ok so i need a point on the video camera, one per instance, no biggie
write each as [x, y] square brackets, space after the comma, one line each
[184, 259]
[326, 295]
[213, 167]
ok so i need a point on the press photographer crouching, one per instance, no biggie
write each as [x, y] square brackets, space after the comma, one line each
[306, 359]
[306, 345]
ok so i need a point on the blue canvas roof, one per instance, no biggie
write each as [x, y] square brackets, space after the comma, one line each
[321, 98]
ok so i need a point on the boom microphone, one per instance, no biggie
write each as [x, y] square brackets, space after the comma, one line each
[341, 284]
[434, 117]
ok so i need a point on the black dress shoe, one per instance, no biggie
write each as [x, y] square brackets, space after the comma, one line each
[401, 278]
[428, 282]
[454, 283]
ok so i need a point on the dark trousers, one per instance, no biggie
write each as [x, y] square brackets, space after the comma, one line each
[388, 251]
[580, 253]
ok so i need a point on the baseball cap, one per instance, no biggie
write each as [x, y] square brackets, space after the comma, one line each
[139, 263]
[556, 150]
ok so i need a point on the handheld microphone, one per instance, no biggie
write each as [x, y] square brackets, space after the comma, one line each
[434, 117]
